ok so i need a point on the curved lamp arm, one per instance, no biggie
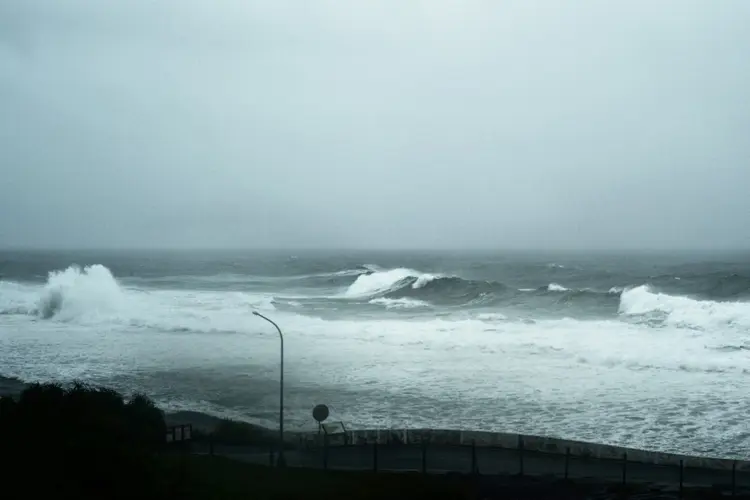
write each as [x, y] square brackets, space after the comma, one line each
[281, 461]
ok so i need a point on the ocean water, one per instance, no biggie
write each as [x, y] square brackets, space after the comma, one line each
[639, 350]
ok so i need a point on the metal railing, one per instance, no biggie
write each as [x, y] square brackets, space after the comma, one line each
[470, 458]
[179, 433]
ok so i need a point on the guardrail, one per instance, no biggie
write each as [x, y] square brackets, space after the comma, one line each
[446, 451]
[488, 463]
[512, 441]
[492, 454]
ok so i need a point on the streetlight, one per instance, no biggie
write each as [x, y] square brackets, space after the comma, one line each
[281, 461]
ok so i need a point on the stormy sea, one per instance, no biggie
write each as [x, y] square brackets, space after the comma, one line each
[640, 350]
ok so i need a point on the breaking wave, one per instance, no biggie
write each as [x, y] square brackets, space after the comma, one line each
[67, 294]
[91, 295]
[453, 290]
[646, 303]
[405, 288]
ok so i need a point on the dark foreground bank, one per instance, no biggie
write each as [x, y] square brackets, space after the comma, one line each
[81, 441]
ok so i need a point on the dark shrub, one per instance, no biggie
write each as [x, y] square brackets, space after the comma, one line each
[147, 421]
[7, 407]
[81, 440]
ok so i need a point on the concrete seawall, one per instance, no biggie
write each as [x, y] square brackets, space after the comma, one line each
[548, 445]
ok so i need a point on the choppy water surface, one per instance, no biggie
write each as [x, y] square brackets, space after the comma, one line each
[639, 350]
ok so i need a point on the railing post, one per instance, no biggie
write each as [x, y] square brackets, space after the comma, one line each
[325, 451]
[567, 461]
[375, 456]
[270, 456]
[211, 444]
[520, 455]
[474, 467]
[681, 477]
[183, 471]
[624, 468]
[424, 457]
[734, 477]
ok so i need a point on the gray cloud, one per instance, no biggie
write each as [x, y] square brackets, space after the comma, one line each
[374, 124]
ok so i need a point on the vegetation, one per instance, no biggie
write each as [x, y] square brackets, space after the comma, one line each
[80, 441]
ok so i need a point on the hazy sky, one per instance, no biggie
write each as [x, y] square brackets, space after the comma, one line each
[375, 123]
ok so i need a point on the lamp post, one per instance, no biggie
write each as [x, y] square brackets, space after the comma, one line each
[281, 461]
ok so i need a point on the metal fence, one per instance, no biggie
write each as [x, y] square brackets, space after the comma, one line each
[430, 458]
[179, 433]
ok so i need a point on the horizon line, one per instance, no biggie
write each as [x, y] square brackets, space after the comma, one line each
[361, 249]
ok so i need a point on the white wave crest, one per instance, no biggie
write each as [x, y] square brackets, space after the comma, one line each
[400, 303]
[683, 311]
[424, 279]
[492, 317]
[554, 287]
[367, 285]
[383, 281]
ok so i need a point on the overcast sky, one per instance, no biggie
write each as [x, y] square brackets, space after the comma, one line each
[370, 124]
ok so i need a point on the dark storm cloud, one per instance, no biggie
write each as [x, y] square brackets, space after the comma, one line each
[374, 124]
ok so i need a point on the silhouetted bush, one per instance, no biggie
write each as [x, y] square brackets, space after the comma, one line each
[7, 406]
[81, 440]
[146, 421]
